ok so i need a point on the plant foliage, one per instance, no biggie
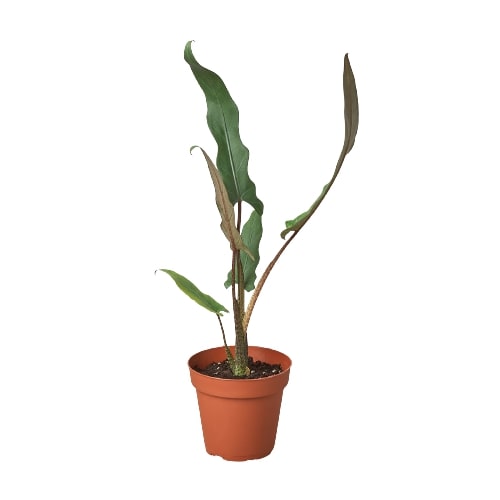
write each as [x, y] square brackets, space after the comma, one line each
[234, 189]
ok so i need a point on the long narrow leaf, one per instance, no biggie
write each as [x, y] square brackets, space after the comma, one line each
[225, 207]
[223, 122]
[351, 106]
[351, 118]
[194, 293]
[251, 236]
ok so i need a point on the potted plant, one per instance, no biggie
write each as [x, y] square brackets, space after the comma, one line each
[240, 386]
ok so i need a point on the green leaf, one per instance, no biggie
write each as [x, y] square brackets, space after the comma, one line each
[223, 122]
[251, 235]
[194, 293]
[225, 207]
[351, 118]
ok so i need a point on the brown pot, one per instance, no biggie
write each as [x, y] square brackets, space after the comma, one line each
[239, 417]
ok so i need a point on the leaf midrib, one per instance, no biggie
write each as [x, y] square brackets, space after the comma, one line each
[229, 149]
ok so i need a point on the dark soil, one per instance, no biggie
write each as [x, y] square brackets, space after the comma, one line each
[258, 369]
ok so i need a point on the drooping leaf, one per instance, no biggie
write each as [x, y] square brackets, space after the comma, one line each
[225, 207]
[351, 118]
[194, 293]
[251, 235]
[223, 122]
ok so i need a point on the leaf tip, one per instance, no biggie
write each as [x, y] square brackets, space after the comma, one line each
[285, 231]
[347, 63]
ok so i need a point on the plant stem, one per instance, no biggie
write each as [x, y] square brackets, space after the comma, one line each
[239, 267]
[263, 278]
[228, 352]
[240, 367]
[260, 284]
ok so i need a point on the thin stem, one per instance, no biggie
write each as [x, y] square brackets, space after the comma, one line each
[241, 285]
[239, 267]
[314, 207]
[228, 352]
[235, 291]
[222, 330]
[263, 278]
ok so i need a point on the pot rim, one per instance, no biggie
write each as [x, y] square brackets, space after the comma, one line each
[240, 388]
[286, 358]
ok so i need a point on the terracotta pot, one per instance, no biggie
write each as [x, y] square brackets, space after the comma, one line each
[239, 417]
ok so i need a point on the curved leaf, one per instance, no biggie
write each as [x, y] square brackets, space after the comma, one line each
[225, 207]
[223, 122]
[351, 118]
[194, 293]
[251, 236]
[351, 106]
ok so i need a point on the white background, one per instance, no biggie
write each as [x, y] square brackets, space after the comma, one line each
[387, 302]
